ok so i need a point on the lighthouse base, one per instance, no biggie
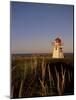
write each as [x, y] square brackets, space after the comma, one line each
[57, 54]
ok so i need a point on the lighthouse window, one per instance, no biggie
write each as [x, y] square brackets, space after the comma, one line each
[56, 48]
[60, 49]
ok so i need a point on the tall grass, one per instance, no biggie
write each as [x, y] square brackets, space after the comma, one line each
[39, 76]
[20, 90]
[43, 70]
[51, 80]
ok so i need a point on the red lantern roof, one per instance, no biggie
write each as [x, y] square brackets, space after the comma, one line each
[58, 40]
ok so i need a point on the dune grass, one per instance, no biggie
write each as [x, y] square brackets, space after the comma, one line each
[41, 76]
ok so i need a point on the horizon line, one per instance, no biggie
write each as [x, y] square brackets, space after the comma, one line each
[38, 53]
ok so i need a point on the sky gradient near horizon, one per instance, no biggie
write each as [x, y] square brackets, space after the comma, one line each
[34, 26]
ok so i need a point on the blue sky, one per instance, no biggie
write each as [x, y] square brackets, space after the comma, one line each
[35, 26]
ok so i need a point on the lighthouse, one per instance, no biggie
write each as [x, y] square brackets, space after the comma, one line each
[57, 48]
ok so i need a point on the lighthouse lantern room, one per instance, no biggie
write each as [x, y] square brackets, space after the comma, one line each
[57, 48]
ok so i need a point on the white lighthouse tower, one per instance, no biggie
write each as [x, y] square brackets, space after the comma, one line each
[57, 48]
